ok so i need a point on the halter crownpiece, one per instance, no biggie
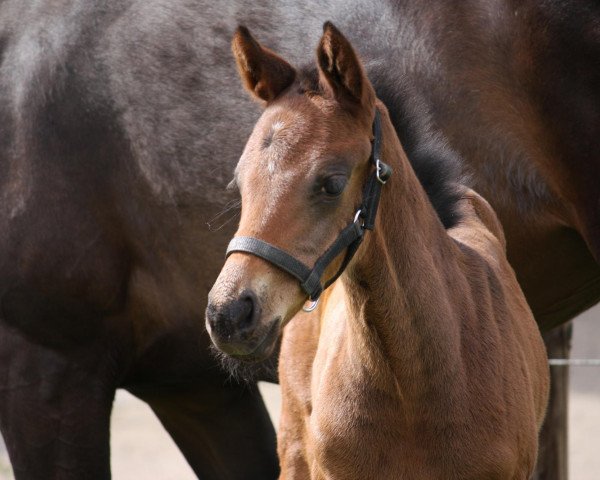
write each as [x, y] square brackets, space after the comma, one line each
[349, 238]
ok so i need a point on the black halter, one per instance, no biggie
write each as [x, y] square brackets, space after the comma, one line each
[349, 238]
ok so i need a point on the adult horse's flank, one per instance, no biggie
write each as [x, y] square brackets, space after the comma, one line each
[424, 360]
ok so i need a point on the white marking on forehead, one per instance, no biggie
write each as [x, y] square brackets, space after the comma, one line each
[271, 160]
[277, 125]
[283, 137]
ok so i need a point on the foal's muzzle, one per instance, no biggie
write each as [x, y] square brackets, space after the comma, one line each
[235, 328]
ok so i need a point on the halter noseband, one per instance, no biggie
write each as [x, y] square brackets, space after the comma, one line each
[349, 238]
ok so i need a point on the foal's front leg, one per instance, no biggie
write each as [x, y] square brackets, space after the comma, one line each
[298, 349]
[290, 447]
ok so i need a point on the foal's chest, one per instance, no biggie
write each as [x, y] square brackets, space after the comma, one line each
[354, 428]
[361, 426]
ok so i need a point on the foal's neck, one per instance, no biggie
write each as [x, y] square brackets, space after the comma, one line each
[400, 285]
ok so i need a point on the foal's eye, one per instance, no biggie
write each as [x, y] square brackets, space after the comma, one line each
[334, 185]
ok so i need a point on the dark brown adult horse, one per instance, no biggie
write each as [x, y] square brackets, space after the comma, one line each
[120, 126]
[423, 361]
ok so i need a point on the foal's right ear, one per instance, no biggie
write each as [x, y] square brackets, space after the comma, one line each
[264, 74]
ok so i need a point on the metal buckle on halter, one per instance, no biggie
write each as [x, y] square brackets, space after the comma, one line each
[357, 216]
[382, 172]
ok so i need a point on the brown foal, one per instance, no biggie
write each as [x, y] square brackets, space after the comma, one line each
[423, 360]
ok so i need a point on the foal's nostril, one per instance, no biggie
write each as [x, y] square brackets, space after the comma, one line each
[246, 311]
[236, 318]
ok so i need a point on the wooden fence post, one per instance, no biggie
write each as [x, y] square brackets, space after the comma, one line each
[553, 451]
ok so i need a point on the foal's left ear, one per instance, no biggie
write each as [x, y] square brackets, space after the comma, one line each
[264, 74]
[341, 68]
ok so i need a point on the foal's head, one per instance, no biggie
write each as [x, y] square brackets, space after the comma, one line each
[301, 178]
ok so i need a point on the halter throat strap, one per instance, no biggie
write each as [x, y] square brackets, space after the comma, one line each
[349, 238]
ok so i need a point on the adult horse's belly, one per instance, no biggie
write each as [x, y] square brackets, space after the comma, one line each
[555, 269]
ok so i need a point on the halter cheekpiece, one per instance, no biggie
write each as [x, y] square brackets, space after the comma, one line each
[349, 238]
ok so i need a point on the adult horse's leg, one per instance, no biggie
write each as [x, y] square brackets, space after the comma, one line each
[55, 408]
[553, 449]
[224, 431]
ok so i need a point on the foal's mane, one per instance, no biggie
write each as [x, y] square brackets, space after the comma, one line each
[437, 167]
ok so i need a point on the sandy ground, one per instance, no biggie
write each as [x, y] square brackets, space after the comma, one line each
[142, 449]
[584, 406]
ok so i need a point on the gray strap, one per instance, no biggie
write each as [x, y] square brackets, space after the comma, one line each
[269, 252]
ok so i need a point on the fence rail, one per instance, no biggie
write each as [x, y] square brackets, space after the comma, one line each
[574, 362]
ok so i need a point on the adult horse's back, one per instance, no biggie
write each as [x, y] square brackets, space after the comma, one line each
[119, 129]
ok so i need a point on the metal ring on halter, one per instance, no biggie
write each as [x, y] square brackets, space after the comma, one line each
[378, 171]
[313, 304]
[359, 211]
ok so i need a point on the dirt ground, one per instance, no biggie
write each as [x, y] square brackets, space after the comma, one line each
[142, 449]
